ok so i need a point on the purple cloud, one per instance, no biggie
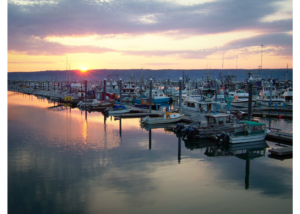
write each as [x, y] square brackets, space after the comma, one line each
[29, 25]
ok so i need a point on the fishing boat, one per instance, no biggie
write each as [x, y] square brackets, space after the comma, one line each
[145, 104]
[118, 109]
[99, 105]
[246, 132]
[288, 96]
[216, 124]
[168, 117]
[156, 99]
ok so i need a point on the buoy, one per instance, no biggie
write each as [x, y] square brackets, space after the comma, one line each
[280, 116]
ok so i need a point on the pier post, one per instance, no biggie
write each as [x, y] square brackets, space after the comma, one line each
[85, 85]
[271, 86]
[198, 83]
[120, 127]
[180, 95]
[247, 176]
[120, 91]
[216, 90]
[150, 139]
[104, 88]
[150, 96]
[48, 86]
[250, 98]
[179, 150]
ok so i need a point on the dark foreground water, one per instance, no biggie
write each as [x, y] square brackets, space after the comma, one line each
[68, 161]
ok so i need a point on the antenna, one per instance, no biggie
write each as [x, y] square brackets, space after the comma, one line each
[262, 47]
[236, 68]
[223, 62]
[287, 70]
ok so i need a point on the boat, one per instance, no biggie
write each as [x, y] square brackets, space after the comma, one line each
[199, 103]
[288, 96]
[145, 104]
[168, 117]
[216, 124]
[246, 132]
[99, 105]
[240, 99]
[155, 99]
[265, 98]
[118, 109]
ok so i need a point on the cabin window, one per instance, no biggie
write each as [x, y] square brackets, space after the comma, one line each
[228, 120]
[221, 121]
[211, 120]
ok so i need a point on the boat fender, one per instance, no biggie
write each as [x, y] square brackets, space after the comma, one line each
[177, 127]
[185, 131]
[190, 132]
[221, 136]
[226, 137]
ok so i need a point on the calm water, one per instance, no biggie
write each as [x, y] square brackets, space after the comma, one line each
[68, 161]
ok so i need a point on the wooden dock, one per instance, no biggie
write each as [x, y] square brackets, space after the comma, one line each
[282, 151]
[281, 137]
[139, 115]
[264, 114]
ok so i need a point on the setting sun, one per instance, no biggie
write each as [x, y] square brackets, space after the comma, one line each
[83, 69]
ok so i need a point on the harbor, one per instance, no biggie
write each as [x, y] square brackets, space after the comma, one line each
[186, 101]
[130, 107]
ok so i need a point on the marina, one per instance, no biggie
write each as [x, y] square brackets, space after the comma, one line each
[145, 107]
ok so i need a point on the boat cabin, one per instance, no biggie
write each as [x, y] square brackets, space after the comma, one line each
[146, 101]
[214, 120]
[250, 128]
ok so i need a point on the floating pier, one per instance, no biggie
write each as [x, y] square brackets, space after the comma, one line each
[280, 136]
[282, 151]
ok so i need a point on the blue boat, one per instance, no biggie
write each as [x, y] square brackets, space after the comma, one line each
[155, 100]
[145, 104]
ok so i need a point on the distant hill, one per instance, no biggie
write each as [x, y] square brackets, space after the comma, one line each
[147, 73]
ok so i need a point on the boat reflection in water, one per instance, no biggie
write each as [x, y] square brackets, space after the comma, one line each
[245, 151]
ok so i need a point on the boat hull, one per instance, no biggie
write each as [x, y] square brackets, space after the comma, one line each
[247, 138]
[154, 100]
[162, 120]
[112, 112]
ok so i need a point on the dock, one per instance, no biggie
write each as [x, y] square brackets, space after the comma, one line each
[280, 136]
[282, 151]
[263, 114]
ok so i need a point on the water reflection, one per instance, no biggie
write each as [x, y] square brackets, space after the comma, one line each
[246, 151]
[51, 170]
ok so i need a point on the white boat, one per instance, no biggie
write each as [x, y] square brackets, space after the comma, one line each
[118, 109]
[249, 132]
[168, 117]
[240, 99]
[265, 99]
[200, 103]
[288, 96]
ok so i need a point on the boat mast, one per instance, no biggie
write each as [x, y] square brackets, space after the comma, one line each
[287, 70]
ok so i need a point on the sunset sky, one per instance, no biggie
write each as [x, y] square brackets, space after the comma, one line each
[161, 34]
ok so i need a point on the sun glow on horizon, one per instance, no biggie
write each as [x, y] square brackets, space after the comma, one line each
[83, 69]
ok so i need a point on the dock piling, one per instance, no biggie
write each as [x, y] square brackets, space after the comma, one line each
[180, 95]
[250, 99]
[150, 96]
[120, 91]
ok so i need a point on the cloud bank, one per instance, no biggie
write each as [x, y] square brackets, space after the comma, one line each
[31, 22]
